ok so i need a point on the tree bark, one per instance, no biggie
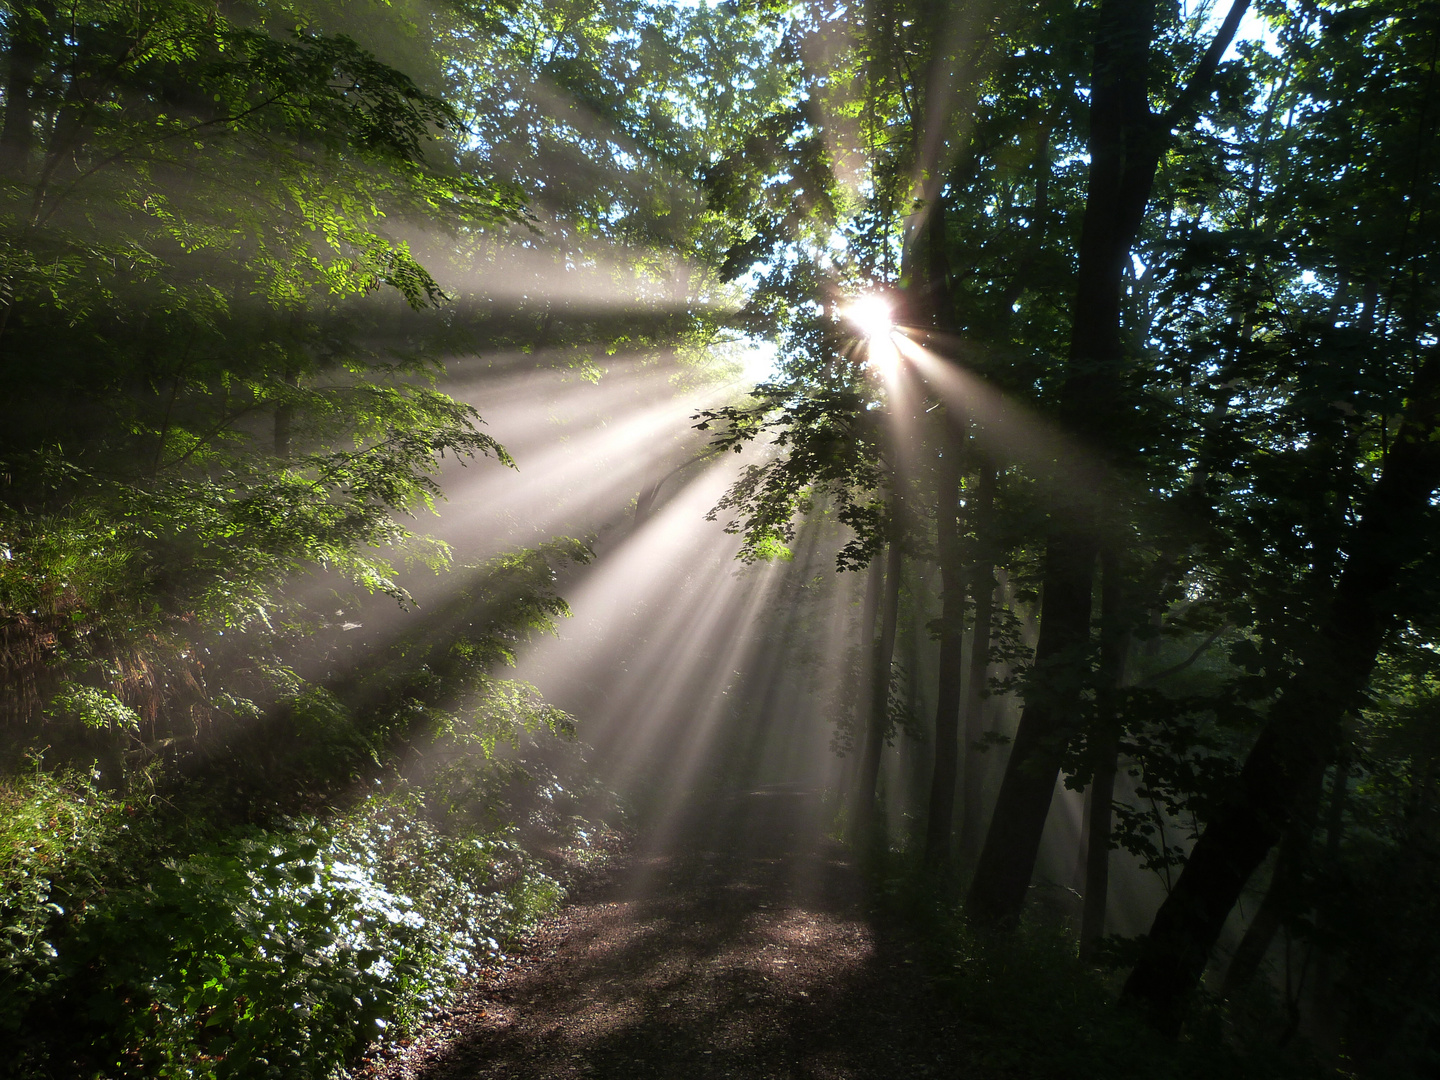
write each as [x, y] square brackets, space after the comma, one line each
[940, 820]
[1002, 875]
[1326, 1005]
[869, 627]
[983, 590]
[1275, 906]
[1281, 777]
[29, 46]
[867, 815]
[1114, 647]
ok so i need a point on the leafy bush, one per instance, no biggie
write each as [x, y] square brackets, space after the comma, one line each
[61, 839]
[180, 942]
[265, 956]
[276, 952]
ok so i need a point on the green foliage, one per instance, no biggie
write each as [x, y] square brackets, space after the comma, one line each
[61, 842]
[277, 953]
[264, 953]
[261, 952]
[94, 708]
[204, 213]
[825, 444]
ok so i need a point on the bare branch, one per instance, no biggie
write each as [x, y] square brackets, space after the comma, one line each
[1187, 662]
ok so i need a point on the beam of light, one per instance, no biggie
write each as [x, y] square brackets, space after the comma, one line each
[883, 358]
[872, 315]
[1009, 429]
[603, 279]
[671, 659]
[574, 483]
[584, 450]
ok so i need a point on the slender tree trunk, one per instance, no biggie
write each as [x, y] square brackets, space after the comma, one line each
[866, 816]
[869, 627]
[29, 46]
[284, 422]
[1326, 1013]
[940, 820]
[1287, 763]
[983, 590]
[1114, 648]
[1119, 114]
[1002, 875]
[1277, 904]
[1282, 898]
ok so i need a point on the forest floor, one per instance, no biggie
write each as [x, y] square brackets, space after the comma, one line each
[737, 944]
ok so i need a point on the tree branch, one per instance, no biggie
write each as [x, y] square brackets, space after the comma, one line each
[1175, 669]
[1205, 71]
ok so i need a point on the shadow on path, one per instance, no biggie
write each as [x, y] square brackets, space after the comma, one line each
[737, 945]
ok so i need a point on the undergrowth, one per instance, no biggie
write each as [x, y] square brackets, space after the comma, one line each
[1030, 1008]
[140, 942]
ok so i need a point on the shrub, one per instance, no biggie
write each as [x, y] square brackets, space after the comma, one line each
[61, 840]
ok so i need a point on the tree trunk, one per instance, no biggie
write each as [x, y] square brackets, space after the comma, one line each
[869, 627]
[1114, 647]
[1119, 115]
[1002, 875]
[1282, 898]
[1327, 1018]
[940, 820]
[1277, 904]
[29, 45]
[866, 815]
[983, 590]
[1284, 771]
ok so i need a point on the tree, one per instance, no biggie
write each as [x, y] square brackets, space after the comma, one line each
[1126, 142]
[1383, 542]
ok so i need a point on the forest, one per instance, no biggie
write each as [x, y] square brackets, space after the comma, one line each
[955, 483]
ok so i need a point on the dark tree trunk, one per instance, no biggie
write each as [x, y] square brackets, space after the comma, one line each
[285, 411]
[1283, 898]
[983, 590]
[1125, 144]
[1284, 772]
[1114, 649]
[1326, 1006]
[1096, 889]
[284, 423]
[866, 815]
[29, 46]
[1277, 905]
[869, 627]
[940, 820]
[1119, 117]
[1002, 875]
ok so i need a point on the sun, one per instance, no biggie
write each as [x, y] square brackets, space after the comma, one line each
[871, 315]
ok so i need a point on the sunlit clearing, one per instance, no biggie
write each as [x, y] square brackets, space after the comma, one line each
[872, 315]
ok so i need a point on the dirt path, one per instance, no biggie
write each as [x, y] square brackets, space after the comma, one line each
[737, 947]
